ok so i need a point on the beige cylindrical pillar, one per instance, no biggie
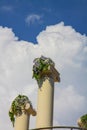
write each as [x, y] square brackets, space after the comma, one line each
[45, 103]
[46, 98]
[22, 121]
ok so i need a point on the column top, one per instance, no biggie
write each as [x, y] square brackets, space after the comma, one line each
[30, 110]
[45, 67]
[52, 72]
[21, 104]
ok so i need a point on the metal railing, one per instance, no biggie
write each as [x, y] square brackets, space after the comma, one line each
[59, 127]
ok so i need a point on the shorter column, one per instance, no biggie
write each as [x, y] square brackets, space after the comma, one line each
[20, 112]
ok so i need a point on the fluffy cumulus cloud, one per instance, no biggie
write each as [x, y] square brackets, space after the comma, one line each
[69, 106]
[68, 49]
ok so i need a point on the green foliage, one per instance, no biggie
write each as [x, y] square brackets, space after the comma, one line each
[17, 105]
[41, 65]
[84, 120]
[12, 118]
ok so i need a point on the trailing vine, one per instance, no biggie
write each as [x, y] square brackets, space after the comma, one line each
[41, 65]
[17, 106]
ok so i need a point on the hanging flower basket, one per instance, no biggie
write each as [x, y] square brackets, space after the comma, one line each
[41, 65]
[17, 106]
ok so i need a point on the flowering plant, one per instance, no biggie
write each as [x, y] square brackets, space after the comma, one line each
[17, 106]
[41, 65]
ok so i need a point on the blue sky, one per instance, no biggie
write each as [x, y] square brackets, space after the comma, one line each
[13, 14]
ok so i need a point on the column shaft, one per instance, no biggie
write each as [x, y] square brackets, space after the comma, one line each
[45, 103]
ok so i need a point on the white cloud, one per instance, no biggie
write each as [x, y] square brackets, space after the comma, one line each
[68, 104]
[7, 8]
[67, 48]
[65, 42]
[33, 18]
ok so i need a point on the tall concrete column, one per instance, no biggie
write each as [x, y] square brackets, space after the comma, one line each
[45, 73]
[20, 112]
[46, 98]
